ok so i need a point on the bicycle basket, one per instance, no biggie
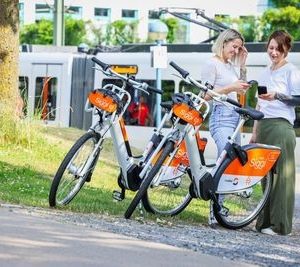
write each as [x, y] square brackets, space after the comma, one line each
[105, 100]
[183, 108]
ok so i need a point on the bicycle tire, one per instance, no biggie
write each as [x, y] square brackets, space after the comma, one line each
[66, 182]
[175, 194]
[169, 147]
[241, 208]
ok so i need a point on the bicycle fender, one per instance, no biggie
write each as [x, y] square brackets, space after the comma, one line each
[234, 176]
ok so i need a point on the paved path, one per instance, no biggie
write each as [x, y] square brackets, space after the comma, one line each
[27, 239]
[30, 240]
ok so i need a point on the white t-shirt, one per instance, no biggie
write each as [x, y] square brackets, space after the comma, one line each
[219, 74]
[285, 80]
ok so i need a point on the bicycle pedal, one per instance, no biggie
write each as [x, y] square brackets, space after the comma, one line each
[119, 196]
[141, 209]
[88, 178]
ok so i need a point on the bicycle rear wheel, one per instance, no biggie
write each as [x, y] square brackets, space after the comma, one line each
[170, 196]
[169, 147]
[70, 177]
[241, 208]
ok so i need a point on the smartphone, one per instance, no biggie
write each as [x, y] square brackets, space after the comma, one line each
[262, 89]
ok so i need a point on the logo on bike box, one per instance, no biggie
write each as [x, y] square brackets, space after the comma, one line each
[233, 181]
[103, 102]
[273, 156]
[188, 114]
[258, 163]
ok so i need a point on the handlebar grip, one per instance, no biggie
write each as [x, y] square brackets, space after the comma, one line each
[233, 102]
[103, 65]
[155, 90]
[183, 72]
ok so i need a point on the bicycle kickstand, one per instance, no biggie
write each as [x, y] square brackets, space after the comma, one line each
[216, 202]
[119, 196]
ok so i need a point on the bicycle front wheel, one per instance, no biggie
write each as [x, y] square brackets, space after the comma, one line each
[73, 171]
[171, 195]
[169, 147]
[241, 208]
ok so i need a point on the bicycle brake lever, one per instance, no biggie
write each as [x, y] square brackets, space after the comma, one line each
[139, 87]
[181, 78]
[107, 73]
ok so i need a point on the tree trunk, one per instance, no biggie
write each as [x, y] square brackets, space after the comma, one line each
[9, 58]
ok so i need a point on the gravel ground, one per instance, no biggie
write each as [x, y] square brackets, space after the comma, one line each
[245, 245]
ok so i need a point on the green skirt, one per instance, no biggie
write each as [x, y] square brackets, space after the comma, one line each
[279, 210]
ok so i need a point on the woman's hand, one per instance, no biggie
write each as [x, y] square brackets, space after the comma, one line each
[239, 86]
[268, 96]
[243, 56]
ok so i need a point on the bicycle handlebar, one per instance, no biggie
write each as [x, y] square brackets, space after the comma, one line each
[207, 88]
[155, 90]
[138, 85]
[233, 102]
[182, 72]
[103, 65]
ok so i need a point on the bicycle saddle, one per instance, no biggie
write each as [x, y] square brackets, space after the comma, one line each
[182, 98]
[250, 112]
[167, 105]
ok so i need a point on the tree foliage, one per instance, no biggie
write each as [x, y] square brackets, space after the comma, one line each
[287, 18]
[285, 3]
[173, 26]
[248, 26]
[75, 32]
[42, 32]
[121, 32]
[37, 33]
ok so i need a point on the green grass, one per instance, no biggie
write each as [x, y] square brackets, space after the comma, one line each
[27, 170]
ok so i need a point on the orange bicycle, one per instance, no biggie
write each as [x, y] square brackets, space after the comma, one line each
[239, 184]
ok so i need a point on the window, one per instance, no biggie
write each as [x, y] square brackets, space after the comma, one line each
[102, 12]
[21, 13]
[129, 14]
[153, 14]
[45, 98]
[75, 12]
[43, 11]
[167, 85]
[185, 87]
[23, 89]
[183, 32]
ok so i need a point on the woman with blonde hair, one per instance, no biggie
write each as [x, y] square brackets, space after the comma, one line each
[220, 71]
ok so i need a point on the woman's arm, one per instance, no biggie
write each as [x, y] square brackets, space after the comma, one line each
[288, 100]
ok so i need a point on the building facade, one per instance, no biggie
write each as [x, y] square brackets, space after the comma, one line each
[104, 12]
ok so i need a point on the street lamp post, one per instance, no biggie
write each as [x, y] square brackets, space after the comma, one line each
[59, 29]
[158, 32]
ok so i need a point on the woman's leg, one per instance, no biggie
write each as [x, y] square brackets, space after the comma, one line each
[278, 212]
[223, 123]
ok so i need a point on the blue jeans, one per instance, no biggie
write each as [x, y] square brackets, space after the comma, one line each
[222, 124]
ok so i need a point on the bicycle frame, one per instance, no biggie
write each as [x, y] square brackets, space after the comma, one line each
[179, 155]
[113, 123]
[238, 175]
